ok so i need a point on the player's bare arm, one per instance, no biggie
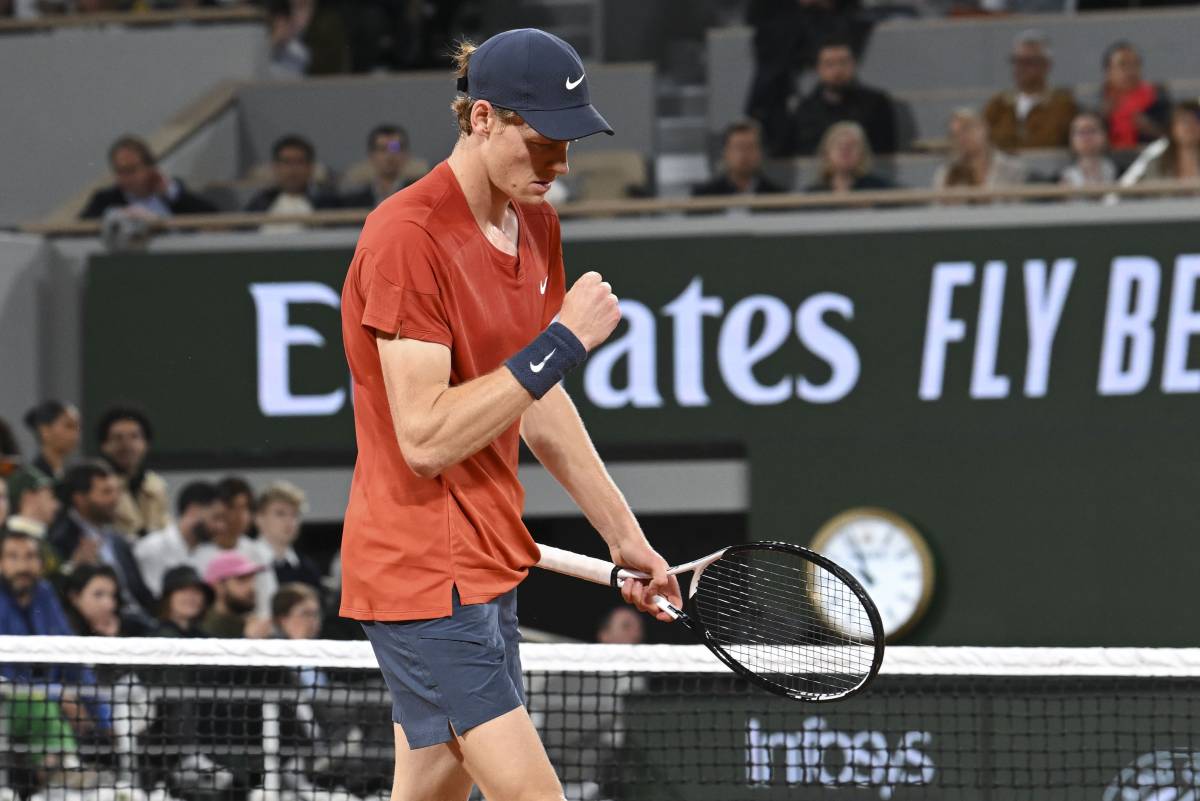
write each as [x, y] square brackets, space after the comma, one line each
[438, 425]
[553, 430]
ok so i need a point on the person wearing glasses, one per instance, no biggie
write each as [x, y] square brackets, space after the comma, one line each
[141, 187]
[1031, 114]
[387, 148]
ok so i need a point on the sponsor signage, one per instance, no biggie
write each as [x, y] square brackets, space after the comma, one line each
[1027, 397]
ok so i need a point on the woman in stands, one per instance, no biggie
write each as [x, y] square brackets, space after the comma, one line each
[185, 599]
[1180, 160]
[1090, 165]
[1136, 110]
[845, 156]
[55, 426]
[973, 161]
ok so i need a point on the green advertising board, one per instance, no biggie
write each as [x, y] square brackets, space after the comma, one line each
[1025, 397]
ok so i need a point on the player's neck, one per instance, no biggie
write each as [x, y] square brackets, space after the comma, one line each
[489, 206]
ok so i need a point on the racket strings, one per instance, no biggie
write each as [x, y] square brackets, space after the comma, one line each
[788, 620]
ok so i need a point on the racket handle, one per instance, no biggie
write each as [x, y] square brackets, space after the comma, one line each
[583, 567]
[667, 607]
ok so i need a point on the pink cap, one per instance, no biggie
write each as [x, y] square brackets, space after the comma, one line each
[230, 564]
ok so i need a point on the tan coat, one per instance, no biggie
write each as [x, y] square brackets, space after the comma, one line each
[1048, 123]
[146, 512]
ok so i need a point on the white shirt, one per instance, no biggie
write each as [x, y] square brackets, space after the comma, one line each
[265, 583]
[1025, 104]
[158, 552]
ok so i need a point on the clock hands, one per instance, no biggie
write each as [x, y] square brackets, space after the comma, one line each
[861, 558]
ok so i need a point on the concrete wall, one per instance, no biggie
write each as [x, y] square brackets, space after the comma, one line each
[68, 93]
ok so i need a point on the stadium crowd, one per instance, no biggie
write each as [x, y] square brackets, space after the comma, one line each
[96, 548]
[1130, 131]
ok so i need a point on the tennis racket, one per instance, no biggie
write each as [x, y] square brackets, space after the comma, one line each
[783, 617]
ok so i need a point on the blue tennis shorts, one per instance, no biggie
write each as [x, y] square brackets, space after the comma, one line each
[458, 671]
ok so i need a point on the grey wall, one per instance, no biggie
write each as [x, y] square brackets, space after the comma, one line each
[20, 363]
[947, 63]
[66, 94]
[347, 108]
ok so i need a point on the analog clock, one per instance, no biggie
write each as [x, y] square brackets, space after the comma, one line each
[890, 559]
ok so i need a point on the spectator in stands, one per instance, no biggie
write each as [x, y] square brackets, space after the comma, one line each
[839, 97]
[296, 612]
[741, 162]
[787, 36]
[55, 426]
[387, 148]
[238, 498]
[1135, 110]
[1180, 160]
[231, 575]
[973, 161]
[93, 605]
[1089, 150]
[845, 158]
[84, 535]
[294, 163]
[141, 186]
[34, 506]
[124, 436]
[1031, 114]
[200, 516]
[4, 504]
[280, 508]
[38, 721]
[622, 625]
[185, 600]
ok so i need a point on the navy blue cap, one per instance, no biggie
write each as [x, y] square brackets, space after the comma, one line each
[540, 77]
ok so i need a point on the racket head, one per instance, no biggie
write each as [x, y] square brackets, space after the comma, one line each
[789, 620]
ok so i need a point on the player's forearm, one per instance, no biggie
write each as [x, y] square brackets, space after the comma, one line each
[556, 435]
[459, 421]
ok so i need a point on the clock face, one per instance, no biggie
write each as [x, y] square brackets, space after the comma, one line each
[888, 557]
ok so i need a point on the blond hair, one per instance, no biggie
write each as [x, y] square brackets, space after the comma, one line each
[463, 103]
[283, 492]
[831, 133]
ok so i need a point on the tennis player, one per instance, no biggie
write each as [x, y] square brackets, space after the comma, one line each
[448, 316]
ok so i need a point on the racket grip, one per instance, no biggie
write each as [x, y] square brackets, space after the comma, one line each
[583, 567]
[666, 606]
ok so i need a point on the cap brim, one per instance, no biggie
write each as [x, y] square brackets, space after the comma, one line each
[566, 124]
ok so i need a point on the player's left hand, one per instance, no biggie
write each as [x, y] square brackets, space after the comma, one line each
[638, 555]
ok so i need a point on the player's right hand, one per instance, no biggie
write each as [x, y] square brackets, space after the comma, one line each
[590, 310]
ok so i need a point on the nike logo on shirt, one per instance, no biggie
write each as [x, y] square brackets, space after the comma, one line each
[537, 367]
[572, 84]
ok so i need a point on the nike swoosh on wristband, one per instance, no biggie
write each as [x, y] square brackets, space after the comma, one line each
[572, 84]
[537, 368]
[542, 285]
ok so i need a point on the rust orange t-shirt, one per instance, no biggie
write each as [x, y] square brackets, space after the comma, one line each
[424, 270]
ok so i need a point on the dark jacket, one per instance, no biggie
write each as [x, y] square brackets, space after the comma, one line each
[305, 573]
[185, 202]
[365, 197]
[65, 534]
[870, 108]
[721, 185]
[263, 200]
[867, 181]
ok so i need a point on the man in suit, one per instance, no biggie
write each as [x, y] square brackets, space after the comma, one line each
[294, 161]
[141, 187]
[741, 161]
[84, 533]
[387, 148]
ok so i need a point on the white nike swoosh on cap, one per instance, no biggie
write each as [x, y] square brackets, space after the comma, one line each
[572, 84]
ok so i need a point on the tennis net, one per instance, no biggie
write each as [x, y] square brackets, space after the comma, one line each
[276, 720]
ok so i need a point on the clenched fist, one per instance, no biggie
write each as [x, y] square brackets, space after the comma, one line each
[590, 310]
